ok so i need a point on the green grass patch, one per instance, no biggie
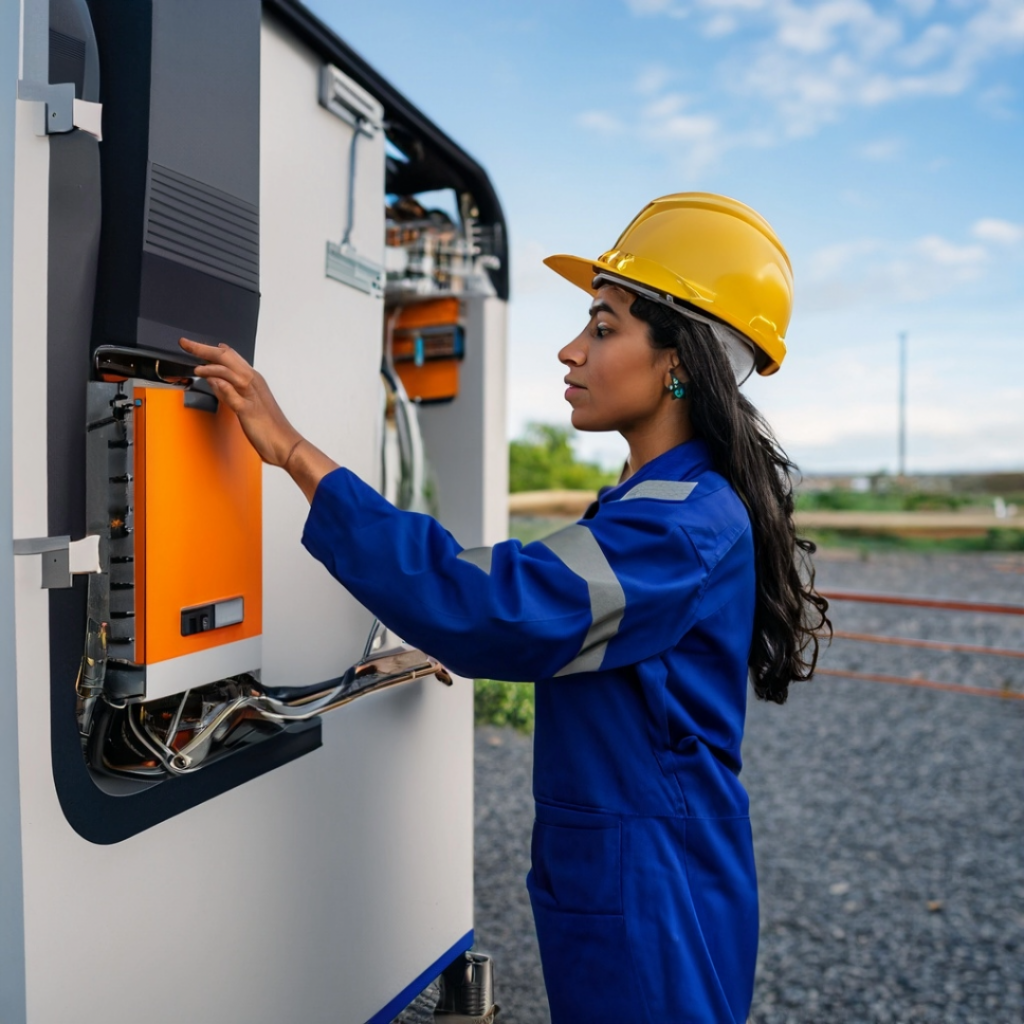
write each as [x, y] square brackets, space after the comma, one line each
[498, 703]
[993, 540]
[840, 500]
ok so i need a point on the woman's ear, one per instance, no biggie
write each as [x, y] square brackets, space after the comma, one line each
[677, 370]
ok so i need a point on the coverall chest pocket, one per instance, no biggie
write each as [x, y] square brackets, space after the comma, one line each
[577, 861]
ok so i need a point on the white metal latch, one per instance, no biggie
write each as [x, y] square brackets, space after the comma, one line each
[60, 111]
[62, 557]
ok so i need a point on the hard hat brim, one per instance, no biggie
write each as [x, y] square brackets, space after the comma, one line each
[581, 272]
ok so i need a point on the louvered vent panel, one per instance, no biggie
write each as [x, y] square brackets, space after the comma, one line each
[203, 228]
[67, 60]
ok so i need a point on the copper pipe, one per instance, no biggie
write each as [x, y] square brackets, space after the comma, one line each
[923, 602]
[974, 691]
[933, 645]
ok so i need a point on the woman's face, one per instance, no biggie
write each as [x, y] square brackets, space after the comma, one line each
[616, 379]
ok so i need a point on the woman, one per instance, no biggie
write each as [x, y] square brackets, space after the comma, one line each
[641, 623]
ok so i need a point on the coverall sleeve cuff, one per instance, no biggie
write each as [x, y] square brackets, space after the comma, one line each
[329, 511]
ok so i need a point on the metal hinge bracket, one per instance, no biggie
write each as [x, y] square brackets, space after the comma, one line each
[62, 557]
[60, 111]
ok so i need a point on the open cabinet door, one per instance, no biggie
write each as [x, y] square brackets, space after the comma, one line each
[316, 871]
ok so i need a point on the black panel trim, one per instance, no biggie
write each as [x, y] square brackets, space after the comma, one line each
[88, 800]
[189, 301]
[124, 39]
[102, 818]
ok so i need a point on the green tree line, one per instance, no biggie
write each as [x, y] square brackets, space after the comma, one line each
[543, 459]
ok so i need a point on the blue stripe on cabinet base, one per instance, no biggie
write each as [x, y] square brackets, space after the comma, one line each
[415, 987]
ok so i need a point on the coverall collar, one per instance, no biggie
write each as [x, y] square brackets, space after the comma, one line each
[684, 462]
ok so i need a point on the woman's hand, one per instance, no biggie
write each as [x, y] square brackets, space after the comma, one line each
[247, 395]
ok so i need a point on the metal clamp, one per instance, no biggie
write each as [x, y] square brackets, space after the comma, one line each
[59, 109]
[62, 557]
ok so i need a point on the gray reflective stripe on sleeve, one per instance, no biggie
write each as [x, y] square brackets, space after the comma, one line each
[660, 490]
[578, 549]
[480, 557]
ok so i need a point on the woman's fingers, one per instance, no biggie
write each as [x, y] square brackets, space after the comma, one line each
[198, 348]
[228, 394]
[245, 392]
[218, 356]
[211, 353]
[241, 382]
[208, 353]
[221, 362]
[224, 385]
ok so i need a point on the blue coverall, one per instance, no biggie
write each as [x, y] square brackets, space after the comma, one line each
[636, 625]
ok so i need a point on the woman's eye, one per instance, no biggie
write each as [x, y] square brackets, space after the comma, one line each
[602, 330]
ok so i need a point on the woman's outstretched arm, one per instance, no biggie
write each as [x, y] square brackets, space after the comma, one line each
[603, 593]
[246, 393]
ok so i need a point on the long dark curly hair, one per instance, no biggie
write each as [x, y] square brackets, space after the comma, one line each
[790, 617]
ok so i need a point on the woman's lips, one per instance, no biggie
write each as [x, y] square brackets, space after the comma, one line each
[573, 389]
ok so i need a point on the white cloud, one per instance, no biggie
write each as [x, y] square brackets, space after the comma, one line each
[918, 8]
[688, 129]
[810, 62]
[1001, 231]
[820, 28]
[652, 80]
[998, 102]
[693, 139]
[647, 7]
[834, 405]
[948, 254]
[664, 119]
[830, 261]
[936, 41]
[600, 121]
[720, 25]
[874, 271]
[665, 106]
[881, 150]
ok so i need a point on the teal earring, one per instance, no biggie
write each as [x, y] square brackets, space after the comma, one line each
[677, 387]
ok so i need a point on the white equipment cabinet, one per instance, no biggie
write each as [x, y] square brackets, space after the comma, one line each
[331, 881]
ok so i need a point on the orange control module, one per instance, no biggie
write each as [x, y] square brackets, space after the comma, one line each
[427, 347]
[198, 528]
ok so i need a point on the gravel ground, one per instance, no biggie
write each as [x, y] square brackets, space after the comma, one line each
[889, 820]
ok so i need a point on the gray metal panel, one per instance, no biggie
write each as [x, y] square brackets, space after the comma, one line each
[189, 222]
[74, 235]
[56, 558]
[204, 129]
[39, 545]
[465, 439]
[56, 113]
[12, 921]
[73, 55]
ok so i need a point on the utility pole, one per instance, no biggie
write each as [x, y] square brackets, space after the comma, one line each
[903, 407]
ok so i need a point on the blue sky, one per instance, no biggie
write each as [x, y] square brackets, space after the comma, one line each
[884, 142]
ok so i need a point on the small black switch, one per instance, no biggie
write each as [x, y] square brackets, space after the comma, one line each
[196, 620]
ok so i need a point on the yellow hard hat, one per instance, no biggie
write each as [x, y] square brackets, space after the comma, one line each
[713, 253]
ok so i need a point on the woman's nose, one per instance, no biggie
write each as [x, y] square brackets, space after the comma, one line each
[573, 354]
